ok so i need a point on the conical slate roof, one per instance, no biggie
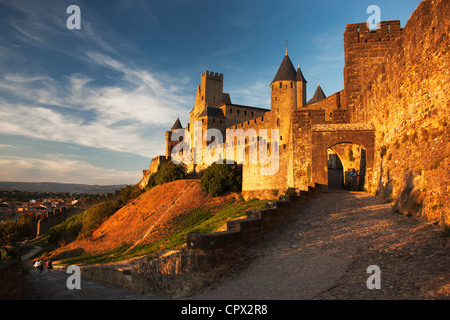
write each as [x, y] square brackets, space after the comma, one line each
[300, 76]
[177, 125]
[318, 95]
[286, 71]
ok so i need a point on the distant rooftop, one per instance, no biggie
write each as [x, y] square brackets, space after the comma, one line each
[177, 125]
[318, 95]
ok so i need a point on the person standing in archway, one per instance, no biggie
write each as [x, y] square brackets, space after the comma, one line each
[354, 180]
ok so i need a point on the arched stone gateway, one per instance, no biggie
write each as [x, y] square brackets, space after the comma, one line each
[347, 141]
[342, 158]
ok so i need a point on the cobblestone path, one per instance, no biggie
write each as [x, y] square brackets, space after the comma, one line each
[324, 250]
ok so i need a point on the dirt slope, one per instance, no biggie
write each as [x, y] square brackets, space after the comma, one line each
[143, 220]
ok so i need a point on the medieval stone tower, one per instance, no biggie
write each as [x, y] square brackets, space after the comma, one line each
[288, 93]
[209, 93]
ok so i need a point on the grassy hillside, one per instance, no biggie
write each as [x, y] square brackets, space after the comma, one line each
[158, 219]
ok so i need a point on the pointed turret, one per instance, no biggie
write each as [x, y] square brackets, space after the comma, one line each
[177, 125]
[286, 71]
[301, 88]
[299, 76]
[318, 95]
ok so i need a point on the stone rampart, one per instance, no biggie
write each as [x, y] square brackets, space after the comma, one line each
[407, 101]
[51, 219]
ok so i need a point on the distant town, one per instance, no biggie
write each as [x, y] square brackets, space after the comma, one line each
[14, 203]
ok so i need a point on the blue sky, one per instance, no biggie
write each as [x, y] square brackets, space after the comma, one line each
[91, 105]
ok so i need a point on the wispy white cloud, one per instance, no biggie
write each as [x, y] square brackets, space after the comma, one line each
[8, 146]
[46, 124]
[41, 89]
[116, 117]
[57, 169]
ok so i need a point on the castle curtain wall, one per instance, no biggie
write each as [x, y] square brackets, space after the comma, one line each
[407, 101]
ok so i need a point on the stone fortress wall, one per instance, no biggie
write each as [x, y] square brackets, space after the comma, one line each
[406, 98]
[393, 110]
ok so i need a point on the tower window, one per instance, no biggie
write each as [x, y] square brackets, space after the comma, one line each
[281, 85]
[292, 84]
[278, 122]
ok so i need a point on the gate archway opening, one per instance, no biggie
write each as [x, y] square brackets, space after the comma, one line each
[335, 170]
[341, 159]
[341, 139]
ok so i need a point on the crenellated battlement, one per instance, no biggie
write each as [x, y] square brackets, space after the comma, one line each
[360, 33]
[212, 75]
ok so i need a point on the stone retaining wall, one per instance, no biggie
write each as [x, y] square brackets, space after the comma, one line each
[11, 281]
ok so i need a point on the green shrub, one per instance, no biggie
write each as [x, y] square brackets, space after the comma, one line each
[170, 172]
[167, 173]
[290, 192]
[12, 232]
[24, 227]
[8, 233]
[68, 230]
[220, 178]
[128, 193]
[95, 216]
[7, 254]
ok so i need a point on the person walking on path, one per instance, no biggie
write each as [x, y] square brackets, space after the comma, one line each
[41, 266]
[36, 265]
[49, 265]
